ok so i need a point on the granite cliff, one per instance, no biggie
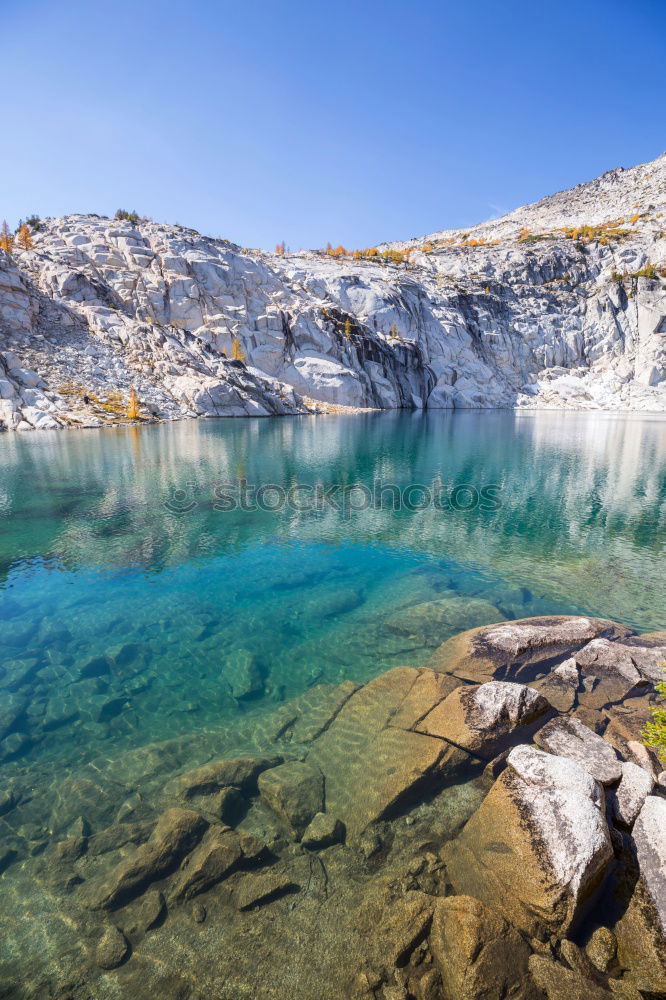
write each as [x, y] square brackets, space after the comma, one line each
[558, 304]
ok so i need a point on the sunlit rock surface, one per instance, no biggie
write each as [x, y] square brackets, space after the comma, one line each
[528, 310]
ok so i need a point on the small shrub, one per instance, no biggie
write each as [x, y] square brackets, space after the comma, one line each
[348, 328]
[123, 215]
[655, 731]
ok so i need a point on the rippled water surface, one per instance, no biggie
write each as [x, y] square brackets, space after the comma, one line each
[135, 606]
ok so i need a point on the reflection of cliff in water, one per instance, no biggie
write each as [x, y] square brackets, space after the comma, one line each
[584, 492]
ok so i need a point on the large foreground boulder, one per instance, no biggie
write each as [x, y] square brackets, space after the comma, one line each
[520, 650]
[538, 845]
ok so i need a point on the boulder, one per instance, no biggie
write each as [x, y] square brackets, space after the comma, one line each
[112, 949]
[560, 983]
[641, 895]
[628, 798]
[608, 673]
[649, 836]
[255, 890]
[142, 915]
[478, 953]
[241, 772]
[430, 622]
[244, 674]
[559, 686]
[538, 846]
[568, 737]
[648, 651]
[486, 719]
[324, 831]
[176, 833]
[295, 792]
[216, 856]
[520, 650]
[601, 948]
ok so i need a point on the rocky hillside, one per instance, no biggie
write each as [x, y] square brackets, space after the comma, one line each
[558, 304]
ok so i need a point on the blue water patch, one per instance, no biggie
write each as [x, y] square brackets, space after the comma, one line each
[156, 581]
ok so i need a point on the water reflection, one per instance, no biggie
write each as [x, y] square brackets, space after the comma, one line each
[582, 517]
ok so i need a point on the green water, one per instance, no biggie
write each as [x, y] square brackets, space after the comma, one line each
[134, 609]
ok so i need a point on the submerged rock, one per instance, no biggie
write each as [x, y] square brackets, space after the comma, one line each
[215, 857]
[324, 831]
[601, 948]
[241, 772]
[478, 953]
[295, 792]
[244, 674]
[560, 983]
[112, 949]
[254, 890]
[538, 845]
[139, 917]
[176, 833]
[371, 767]
[431, 621]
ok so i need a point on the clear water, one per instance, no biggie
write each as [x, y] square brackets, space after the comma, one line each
[111, 545]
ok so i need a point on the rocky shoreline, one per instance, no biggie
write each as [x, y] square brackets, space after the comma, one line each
[486, 826]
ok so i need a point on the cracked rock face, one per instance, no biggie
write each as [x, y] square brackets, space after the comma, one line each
[515, 312]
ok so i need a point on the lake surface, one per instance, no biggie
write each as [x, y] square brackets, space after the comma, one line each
[137, 605]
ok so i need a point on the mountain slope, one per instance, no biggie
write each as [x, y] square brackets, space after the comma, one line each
[560, 303]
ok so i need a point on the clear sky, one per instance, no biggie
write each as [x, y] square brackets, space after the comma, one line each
[353, 122]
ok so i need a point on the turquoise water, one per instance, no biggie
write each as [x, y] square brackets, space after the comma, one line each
[134, 607]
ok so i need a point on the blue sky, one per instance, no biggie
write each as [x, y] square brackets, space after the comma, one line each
[353, 122]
